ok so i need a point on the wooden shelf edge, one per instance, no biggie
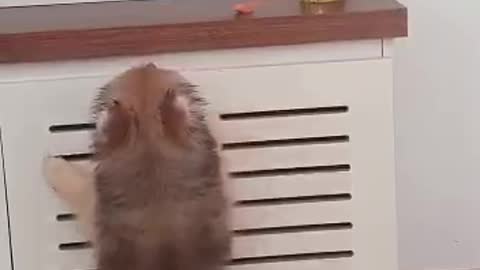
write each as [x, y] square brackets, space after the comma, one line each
[152, 39]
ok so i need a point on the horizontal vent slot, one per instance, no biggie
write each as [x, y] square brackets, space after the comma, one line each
[77, 157]
[246, 260]
[246, 145]
[299, 228]
[286, 142]
[290, 171]
[226, 116]
[248, 174]
[292, 200]
[71, 127]
[294, 257]
[66, 217]
[269, 217]
[284, 113]
[74, 246]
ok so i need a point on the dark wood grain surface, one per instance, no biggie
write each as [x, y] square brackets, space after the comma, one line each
[143, 27]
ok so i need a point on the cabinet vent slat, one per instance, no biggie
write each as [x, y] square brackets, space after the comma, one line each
[293, 200]
[77, 157]
[71, 127]
[66, 217]
[290, 171]
[84, 160]
[251, 247]
[250, 144]
[228, 117]
[74, 245]
[246, 232]
[294, 257]
[286, 142]
[334, 260]
[283, 113]
[298, 228]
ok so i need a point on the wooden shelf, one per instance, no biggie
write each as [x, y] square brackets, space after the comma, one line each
[75, 31]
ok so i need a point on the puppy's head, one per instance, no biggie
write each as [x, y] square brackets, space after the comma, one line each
[147, 107]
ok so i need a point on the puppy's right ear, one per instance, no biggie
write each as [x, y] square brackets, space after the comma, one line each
[175, 117]
[151, 66]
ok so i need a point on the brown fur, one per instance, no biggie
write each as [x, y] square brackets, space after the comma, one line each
[160, 201]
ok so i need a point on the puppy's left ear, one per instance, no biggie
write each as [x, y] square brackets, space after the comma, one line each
[114, 129]
[175, 115]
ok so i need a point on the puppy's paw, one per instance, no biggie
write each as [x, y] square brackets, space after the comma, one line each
[55, 169]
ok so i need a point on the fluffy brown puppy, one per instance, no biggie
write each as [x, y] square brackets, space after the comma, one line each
[160, 200]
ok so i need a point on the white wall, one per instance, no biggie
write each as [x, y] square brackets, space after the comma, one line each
[437, 110]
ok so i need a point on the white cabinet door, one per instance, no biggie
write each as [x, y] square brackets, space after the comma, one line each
[309, 147]
[5, 262]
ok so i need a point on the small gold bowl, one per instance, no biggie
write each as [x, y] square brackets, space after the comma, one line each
[317, 7]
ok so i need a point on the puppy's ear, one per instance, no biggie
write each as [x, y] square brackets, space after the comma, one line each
[114, 128]
[151, 66]
[175, 115]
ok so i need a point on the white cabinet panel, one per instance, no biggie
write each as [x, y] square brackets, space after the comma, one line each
[309, 147]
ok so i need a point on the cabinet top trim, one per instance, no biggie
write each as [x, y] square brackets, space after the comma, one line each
[60, 32]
